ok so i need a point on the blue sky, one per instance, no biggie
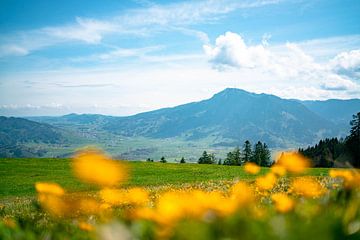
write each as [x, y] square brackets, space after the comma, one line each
[124, 57]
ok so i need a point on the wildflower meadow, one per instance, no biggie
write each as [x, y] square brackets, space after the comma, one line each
[282, 202]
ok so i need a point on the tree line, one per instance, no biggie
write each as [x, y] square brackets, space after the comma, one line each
[259, 154]
[327, 151]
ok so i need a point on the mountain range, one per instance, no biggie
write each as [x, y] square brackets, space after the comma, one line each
[228, 119]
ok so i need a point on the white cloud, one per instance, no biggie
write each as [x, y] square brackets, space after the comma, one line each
[12, 50]
[347, 63]
[139, 22]
[87, 30]
[287, 62]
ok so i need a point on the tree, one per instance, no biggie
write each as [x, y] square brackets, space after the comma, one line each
[220, 162]
[247, 153]
[206, 158]
[257, 155]
[233, 157]
[163, 160]
[353, 140]
[149, 160]
[182, 160]
[266, 156]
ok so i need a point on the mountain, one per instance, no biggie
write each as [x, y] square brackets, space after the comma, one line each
[16, 133]
[231, 116]
[336, 110]
[221, 122]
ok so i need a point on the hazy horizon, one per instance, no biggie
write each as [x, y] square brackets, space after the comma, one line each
[32, 111]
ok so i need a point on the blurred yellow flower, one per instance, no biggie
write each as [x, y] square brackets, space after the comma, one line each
[293, 162]
[54, 204]
[251, 168]
[351, 177]
[266, 182]
[86, 226]
[137, 196]
[307, 187]
[283, 203]
[113, 196]
[134, 196]
[242, 193]
[49, 188]
[278, 170]
[92, 166]
[88, 206]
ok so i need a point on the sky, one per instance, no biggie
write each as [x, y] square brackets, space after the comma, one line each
[124, 57]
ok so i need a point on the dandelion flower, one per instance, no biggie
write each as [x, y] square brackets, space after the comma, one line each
[242, 193]
[54, 204]
[113, 197]
[307, 187]
[266, 182]
[293, 162]
[92, 166]
[251, 168]
[49, 188]
[278, 170]
[283, 203]
[351, 177]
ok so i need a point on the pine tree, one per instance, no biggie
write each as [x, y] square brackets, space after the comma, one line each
[353, 141]
[182, 160]
[247, 152]
[266, 156]
[206, 158]
[257, 154]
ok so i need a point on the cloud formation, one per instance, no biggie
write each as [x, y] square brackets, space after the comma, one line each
[288, 62]
[347, 64]
[141, 22]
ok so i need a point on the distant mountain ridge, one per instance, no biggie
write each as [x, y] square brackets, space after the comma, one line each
[233, 115]
[227, 119]
[230, 117]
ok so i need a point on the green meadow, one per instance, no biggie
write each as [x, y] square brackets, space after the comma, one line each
[18, 176]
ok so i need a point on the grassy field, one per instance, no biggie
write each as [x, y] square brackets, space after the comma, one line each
[175, 201]
[19, 175]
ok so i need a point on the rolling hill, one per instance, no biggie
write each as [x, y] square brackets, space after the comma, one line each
[225, 120]
[16, 134]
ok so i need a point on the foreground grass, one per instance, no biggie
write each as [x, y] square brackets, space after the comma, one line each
[19, 175]
[175, 201]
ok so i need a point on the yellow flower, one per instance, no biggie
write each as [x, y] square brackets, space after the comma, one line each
[307, 187]
[113, 197]
[351, 177]
[86, 226]
[278, 170]
[137, 196]
[170, 208]
[133, 196]
[282, 202]
[89, 206]
[293, 162]
[92, 166]
[54, 204]
[49, 188]
[242, 193]
[251, 168]
[266, 182]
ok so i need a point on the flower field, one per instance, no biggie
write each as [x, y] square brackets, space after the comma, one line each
[283, 202]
